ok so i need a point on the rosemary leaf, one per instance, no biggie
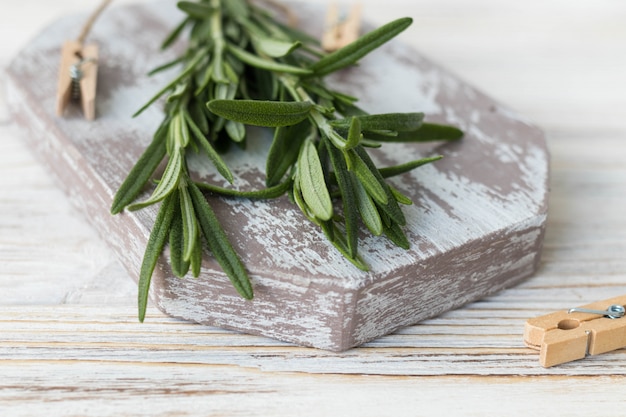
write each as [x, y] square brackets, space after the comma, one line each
[400, 198]
[174, 35]
[351, 53]
[344, 98]
[196, 257]
[237, 8]
[398, 122]
[397, 236]
[217, 160]
[368, 210]
[346, 182]
[236, 130]
[284, 150]
[270, 192]
[198, 117]
[391, 209]
[312, 182]
[156, 241]
[219, 244]
[274, 48]
[141, 171]
[188, 69]
[182, 134]
[168, 182]
[206, 79]
[266, 84]
[367, 143]
[409, 166]
[266, 64]
[189, 223]
[368, 179]
[339, 242]
[180, 267]
[262, 113]
[354, 133]
[196, 10]
[426, 133]
[165, 66]
[296, 194]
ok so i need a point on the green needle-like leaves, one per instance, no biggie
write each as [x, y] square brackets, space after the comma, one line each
[159, 234]
[177, 259]
[350, 54]
[196, 257]
[189, 223]
[264, 194]
[368, 210]
[399, 122]
[185, 73]
[409, 166]
[262, 113]
[274, 48]
[354, 134]
[195, 10]
[397, 236]
[219, 244]
[261, 63]
[241, 67]
[312, 182]
[426, 133]
[168, 183]
[141, 172]
[391, 208]
[284, 150]
[347, 184]
[215, 158]
[368, 179]
[174, 35]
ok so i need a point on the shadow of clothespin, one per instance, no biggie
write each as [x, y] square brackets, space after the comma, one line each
[341, 31]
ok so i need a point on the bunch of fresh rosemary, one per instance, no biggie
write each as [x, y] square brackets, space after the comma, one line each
[243, 67]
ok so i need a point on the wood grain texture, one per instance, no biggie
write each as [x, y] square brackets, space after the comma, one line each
[70, 346]
[476, 226]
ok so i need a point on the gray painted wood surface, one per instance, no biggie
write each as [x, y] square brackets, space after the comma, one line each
[476, 227]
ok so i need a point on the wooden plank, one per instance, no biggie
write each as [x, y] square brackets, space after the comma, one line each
[558, 65]
[476, 225]
[117, 388]
[447, 345]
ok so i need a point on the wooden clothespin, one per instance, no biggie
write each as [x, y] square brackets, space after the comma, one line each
[77, 77]
[340, 32]
[78, 72]
[565, 336]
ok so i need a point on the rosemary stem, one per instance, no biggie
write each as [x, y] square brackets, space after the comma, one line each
[300, 94]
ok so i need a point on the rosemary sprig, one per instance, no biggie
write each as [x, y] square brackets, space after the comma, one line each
[320, 139]
[241, 66]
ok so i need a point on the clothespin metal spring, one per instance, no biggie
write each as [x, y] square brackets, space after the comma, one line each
[614, 311]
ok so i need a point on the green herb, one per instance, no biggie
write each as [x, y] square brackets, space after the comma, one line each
[243, 67]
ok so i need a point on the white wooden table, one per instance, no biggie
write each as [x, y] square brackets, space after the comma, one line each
[70, 343]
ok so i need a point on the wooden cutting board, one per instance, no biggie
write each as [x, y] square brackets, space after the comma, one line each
[476, 227]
